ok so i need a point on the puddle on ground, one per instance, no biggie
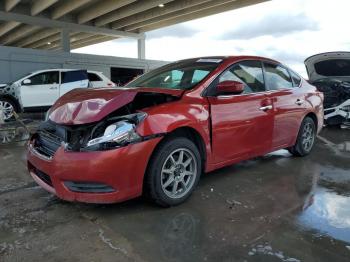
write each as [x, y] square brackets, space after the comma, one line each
[327, 210]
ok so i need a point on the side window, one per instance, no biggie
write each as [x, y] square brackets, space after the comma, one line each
[46, 78]
[73, 76]
[199, 75]
[249, 73]
[175, 79]
[277, 77]
[296, 79]
[94, 77]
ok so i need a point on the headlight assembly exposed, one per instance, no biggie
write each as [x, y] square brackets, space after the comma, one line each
[119, 133]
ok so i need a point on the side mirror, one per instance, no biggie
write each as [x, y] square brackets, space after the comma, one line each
[27, 82]
[230, 88]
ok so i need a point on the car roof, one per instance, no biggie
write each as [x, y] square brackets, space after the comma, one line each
[242, 57]
[230, 58]
[63, 70]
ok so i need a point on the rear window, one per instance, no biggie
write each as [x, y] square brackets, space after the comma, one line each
[277, 77]
[296, 79]
[333, 67]
[94, 77]
[73, 76]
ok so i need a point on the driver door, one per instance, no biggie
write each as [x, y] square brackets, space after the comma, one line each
[242, 124]
[42, 91]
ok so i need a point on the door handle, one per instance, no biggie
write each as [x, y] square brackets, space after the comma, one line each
[299, 102]
[265, 108]
[53, 87]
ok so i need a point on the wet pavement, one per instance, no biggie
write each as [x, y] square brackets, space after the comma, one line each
[272, 208]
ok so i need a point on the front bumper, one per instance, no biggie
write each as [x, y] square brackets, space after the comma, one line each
[121, 169]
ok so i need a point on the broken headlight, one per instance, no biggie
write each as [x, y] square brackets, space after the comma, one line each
[120, 133]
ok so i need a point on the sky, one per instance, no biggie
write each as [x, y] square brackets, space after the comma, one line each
[286, 30]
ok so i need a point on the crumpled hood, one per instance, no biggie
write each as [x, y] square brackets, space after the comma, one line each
[328, 65]
[83, 106]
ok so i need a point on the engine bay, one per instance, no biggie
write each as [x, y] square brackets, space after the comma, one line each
[50, 135]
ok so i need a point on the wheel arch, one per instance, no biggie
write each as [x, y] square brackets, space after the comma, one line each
[14, 100]
[313, 116]
[194, 136]
[184, 131]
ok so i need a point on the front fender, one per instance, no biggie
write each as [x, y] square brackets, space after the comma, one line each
[166, 118]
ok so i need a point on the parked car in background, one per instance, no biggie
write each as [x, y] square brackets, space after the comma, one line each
[39, 90]
[330, 73]
[159, 133]
[98, 79]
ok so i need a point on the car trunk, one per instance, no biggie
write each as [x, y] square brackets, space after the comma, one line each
[330, 73]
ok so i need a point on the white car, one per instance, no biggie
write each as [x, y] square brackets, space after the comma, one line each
[330, 73]
[98, 79]
[39, 90]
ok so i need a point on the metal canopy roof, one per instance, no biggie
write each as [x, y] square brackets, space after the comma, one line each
[52, 24]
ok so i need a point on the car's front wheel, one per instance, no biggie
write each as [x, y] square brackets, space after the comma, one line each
[174, 171]
[306, 138]
[8, 108]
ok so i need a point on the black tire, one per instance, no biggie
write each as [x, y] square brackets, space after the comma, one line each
[301, 147]
[155, 176]
[13, 104]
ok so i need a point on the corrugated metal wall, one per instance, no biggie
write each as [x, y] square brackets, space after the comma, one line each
[16, 62]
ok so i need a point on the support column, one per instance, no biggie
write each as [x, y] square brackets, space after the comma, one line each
[65, 40]
[141, 48]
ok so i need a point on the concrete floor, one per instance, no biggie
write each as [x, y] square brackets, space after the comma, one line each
[273, 208]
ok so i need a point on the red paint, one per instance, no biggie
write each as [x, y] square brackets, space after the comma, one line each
[232, 87]
[82, 106]
[233, 128]
[115, 168]
[240, 129]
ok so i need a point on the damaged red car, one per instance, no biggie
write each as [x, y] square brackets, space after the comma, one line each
[158, 134]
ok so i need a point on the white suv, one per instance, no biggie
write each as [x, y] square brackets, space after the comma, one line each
[98, 79]
[39, 90]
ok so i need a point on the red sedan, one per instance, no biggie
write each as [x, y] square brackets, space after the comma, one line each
[163, 130]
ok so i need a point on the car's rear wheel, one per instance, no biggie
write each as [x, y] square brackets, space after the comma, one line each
[306, 138]
[174, 171]
[8, 108]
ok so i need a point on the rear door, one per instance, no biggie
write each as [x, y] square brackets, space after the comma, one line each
[73, 79]
[42, 91]
[241, 124]
[288, 102]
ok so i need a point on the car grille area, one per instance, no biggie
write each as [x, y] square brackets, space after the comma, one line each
[49, 138]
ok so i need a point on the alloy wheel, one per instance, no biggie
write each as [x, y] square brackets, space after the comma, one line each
[308, 136]
[178, 173]
[7, 109]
